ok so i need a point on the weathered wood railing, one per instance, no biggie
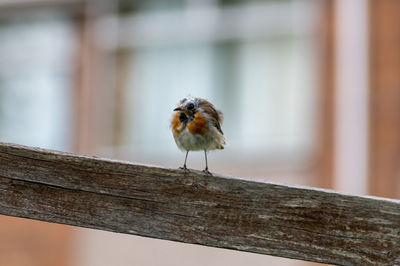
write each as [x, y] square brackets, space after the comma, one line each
[219, 211]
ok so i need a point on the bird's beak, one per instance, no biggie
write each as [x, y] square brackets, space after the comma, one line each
[178, 109]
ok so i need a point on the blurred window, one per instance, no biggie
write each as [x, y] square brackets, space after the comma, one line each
[256, 60]
[36, 78]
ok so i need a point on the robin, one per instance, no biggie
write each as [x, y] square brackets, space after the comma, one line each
[196, 125]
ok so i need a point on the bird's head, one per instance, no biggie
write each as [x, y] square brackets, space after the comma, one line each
[188, 105]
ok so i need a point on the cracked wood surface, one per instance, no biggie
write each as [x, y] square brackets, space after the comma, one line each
[218, 211]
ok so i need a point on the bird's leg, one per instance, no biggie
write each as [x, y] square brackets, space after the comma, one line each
[206, 169]
[184, 168]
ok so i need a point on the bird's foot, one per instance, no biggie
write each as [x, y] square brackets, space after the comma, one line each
[184, 168]
[207, 172]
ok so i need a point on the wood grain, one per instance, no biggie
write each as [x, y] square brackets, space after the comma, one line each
[218, 211]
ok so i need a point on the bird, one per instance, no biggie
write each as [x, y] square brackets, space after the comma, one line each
[196, 125]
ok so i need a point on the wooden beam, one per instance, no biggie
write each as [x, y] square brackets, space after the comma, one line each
[219, 211]
[384, 98]
[325, 153]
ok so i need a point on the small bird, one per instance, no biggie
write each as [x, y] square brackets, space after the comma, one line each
[196, 125]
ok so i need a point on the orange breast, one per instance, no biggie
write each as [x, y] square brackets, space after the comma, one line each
[176, 124]
[198, 125]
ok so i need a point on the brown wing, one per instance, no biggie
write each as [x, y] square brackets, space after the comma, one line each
[216, 116]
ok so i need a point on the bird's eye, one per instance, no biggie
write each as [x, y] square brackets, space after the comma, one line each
[190, 106]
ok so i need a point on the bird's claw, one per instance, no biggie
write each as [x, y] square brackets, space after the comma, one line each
[185, 169]
[207, 172]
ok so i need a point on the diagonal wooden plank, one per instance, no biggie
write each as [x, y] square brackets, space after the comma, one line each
[220, 211]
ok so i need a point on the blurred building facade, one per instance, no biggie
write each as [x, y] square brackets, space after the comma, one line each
[310, 91]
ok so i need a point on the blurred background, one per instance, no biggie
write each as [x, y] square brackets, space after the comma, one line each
[310, 90]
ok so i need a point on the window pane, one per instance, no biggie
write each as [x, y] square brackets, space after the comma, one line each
[265, 81]
[36, 79]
